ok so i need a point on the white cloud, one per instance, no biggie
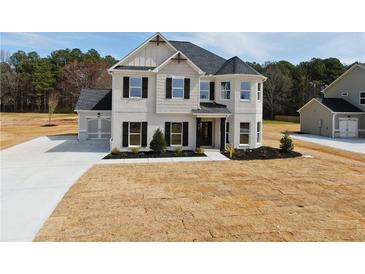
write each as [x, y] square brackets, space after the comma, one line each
[31, 40]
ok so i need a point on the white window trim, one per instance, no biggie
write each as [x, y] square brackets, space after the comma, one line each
[129, 135]
[172, 87]
[182, 130]
[259, 91]
[249, 90]
[205, 100]
[248, 133]
[361, 97]
[130, 88]
[225, 90]
[258, 132]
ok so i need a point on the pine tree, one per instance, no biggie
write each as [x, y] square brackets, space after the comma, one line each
[286, 143]
[158, 143]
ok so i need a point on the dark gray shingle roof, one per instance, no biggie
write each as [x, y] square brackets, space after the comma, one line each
[212, 108]
[94, 99]
[134, 68]
[236, 66]
[338, 105]
[204, 59]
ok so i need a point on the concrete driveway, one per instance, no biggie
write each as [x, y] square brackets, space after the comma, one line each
[349, 144]
[35, 175]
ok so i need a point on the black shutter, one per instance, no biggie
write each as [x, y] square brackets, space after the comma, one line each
[144, 134]
[211, 91]
[167, 133]
[223, 134]
[168, 88]
[125, 87]
[186, 88]
[144, 87]
[185, 134]
[227, 131]
[125, 134]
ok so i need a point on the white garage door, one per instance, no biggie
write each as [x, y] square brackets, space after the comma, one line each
[348, 127]
[98, 128]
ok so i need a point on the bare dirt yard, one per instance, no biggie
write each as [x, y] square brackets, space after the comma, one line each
[300, 199]
[16, 128]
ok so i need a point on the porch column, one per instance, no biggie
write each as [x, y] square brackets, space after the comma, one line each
[198, 131]
[223, 134]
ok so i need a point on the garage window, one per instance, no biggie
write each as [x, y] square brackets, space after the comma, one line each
[244, 134]
[362, 97]
[135, 134]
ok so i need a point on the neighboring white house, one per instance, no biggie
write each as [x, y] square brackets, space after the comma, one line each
[341, 111]
[197, 98]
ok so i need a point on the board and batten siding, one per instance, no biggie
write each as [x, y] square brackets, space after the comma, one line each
[353, 82]
[150, 55]
[310, 118]
[177, 105]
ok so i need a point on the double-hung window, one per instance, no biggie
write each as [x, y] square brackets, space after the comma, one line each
[135, 134]
[245, 91]
[177, 87]
[226, 90]
[135, 87]
[258, 132]
[259, 91]
[176, 134]
[362, 97]
[244, 134]
[204, 90]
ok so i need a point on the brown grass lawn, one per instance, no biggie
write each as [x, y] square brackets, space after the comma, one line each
[16, 128]
[301, 199]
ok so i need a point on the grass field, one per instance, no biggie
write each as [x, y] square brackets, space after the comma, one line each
[302, 199]
[16, 128]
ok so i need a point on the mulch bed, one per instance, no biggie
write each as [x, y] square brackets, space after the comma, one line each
[151, 154]
[262, 153]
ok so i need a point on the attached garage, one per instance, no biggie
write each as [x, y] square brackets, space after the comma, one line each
[94, 114]
[332, 117]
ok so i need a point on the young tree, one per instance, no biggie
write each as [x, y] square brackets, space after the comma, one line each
[286, 143]
[52, 104]
[158, 143]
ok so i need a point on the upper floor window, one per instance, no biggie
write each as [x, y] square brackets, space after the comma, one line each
[362, 97]
[245, 91]
[135, 87]
[204, 90]
[226, 90]
[177, 87]
[259, 90]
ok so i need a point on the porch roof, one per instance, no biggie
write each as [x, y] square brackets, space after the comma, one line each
[212, 108]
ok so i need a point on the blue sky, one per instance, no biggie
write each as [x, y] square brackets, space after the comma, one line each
[250, 46]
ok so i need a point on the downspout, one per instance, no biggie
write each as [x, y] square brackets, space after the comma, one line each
[333, 125]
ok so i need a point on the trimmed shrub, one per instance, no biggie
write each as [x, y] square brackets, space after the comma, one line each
[200, 150]
[178, 150]
[231, 150]
[286, 143]
[135, 150]
[158, 142]
[115, 150]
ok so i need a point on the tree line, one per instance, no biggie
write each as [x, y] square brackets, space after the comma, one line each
[29, 82]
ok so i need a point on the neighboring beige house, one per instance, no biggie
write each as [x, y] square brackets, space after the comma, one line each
[341, 111]
[197, 98]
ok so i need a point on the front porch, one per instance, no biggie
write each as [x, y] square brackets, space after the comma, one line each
[211, 126]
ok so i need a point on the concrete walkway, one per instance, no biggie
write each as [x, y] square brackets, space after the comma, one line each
[212, 155]
[349, 144]
[35, 175]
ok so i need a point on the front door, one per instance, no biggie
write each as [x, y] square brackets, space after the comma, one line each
[206, 137]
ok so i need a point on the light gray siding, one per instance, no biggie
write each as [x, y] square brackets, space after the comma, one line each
[353, 82]
[316, 119]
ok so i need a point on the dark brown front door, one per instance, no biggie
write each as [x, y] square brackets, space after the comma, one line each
[206, 134]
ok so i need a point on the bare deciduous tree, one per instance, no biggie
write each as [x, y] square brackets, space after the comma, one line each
[52, 104]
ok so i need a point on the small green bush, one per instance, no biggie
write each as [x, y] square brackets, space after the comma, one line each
[135, 150]
[115, 150]
[158, 142]
[178, 150]
[286, 143]
[200, 150]
[231, 150]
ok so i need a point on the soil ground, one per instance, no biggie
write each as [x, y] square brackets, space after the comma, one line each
[316, 198]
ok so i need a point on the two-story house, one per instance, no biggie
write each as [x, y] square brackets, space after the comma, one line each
[341, 111]
[197, 98]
